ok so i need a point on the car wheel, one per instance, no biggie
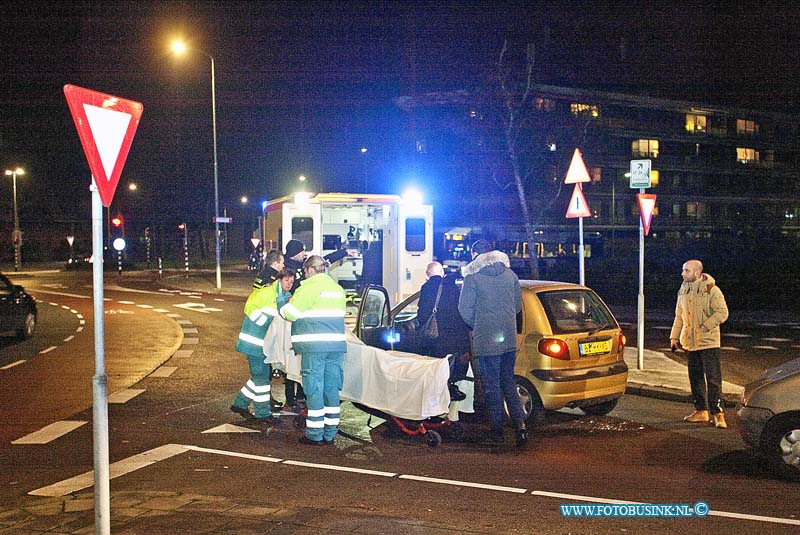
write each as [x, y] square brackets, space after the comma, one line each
[532, 406]
[781, 445]
[600, 409]
[26, 331]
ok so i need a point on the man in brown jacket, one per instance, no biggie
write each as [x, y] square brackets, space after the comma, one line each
[700, 310]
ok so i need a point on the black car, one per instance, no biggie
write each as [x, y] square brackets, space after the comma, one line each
[17, 309]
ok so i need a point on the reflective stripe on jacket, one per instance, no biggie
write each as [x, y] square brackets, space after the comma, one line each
[317, 311]
[259, 310]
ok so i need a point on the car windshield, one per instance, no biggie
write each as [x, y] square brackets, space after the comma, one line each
[571, 311]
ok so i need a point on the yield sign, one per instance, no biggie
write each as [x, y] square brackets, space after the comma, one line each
[106, 125]
[255, 242]
[577, 204]
[647, 203]
[577, 170]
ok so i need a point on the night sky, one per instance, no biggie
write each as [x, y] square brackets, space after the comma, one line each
[302, 86]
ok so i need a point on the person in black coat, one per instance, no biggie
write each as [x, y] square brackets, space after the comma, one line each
[453, 336]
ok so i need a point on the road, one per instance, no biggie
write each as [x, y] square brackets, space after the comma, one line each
[174, 436]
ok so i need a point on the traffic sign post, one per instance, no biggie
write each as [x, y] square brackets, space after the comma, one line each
[641, 178]
[578, 207]
[106, 125]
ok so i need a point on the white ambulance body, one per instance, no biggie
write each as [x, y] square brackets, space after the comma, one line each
[391, 239]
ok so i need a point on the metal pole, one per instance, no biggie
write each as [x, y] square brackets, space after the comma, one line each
[216, 176]
[17, 235]
[581, 277]
[102, 502]
[640, 325]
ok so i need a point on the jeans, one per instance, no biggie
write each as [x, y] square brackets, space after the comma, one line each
[322, 381]
[705, 378]
[497, 378]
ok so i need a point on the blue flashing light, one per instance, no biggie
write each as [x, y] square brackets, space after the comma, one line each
[412, 196]
[392, 337]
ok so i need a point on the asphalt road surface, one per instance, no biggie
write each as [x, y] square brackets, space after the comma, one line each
[174, 374]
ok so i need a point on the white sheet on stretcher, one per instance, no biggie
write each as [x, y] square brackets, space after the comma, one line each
[401, 384]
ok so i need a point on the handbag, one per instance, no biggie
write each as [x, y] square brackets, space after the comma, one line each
[430, 329]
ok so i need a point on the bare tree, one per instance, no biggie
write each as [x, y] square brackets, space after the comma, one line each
[516, 98]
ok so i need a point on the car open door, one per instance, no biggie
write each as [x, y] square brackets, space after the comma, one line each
[373, 323]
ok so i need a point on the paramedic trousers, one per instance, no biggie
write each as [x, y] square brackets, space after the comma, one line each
[322, 381]
[496, 373]
[257, 388]
[705, 378]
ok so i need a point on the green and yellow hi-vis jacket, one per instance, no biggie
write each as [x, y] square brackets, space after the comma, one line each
[317, 311]
[259, 311]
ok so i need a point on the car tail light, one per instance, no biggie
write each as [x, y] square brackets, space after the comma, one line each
[622, 341]
[555, 348]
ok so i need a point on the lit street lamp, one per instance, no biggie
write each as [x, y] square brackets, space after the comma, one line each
[179, 48]
[17, 236]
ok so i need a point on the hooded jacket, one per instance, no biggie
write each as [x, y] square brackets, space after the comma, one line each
[699, 312]
[489, 303]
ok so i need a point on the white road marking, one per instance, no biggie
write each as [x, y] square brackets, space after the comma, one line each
[161, 453]
[126, 302]
[198, 307]
[48, 350]
[62, 293]
[123, 396]
[230, 428]
[730, 348]
[79, 329]
[119, 468]
[68, 338]
[54, 304]
[464, 484]
[81, 322]
[766, 324]
[777, 339]
[73, 310]
[173, 315]
[184, 322]
[163, 371]
[161, 310]
[737, 335]
[183, 353]
[767, 348]
[144, 306]
[191, 341]
[15, 363]
[218, 299]
[189, 330]
[662, 328]
[65, 307]
[49, 433]
[168, 291]
[79, 316]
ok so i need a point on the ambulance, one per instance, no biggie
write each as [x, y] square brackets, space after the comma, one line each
[389, 238]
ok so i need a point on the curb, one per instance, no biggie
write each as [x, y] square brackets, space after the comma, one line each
[670, 394]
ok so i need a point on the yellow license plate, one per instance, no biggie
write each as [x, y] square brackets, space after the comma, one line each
[595, 348]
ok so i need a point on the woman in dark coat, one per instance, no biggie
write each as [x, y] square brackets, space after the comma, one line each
[453, 332]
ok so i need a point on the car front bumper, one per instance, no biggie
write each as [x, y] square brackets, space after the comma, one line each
[751, 423]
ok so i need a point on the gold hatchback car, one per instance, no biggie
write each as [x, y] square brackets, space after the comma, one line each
[569, 345]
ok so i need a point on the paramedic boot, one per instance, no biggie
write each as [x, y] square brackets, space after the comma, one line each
[697, 417]
[719, 421]
[522, 436]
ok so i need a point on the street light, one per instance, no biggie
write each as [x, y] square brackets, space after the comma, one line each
[178, 47]
[17, 237]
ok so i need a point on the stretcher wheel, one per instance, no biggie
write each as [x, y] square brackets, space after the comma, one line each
[433, 439]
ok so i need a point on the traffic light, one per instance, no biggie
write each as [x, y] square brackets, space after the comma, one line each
[182, 226]
[116, 221]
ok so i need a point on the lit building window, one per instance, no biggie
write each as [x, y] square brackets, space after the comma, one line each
[695, 123]
[421, 147]
[597, 174]
[544, 104]
[654, 175]
[695, 209]
[747, 156]
[645, 147]
[743, 126]
[584, 110]
[676, 210]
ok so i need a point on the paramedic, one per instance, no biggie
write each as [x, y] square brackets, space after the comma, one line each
[259, 310]
[317, 311]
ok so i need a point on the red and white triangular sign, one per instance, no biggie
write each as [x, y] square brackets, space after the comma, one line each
[577, 204]
[255, 242]
[647, 203]
[106, 125]
[577, 170]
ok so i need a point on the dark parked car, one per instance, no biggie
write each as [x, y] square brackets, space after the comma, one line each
[17, 309]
